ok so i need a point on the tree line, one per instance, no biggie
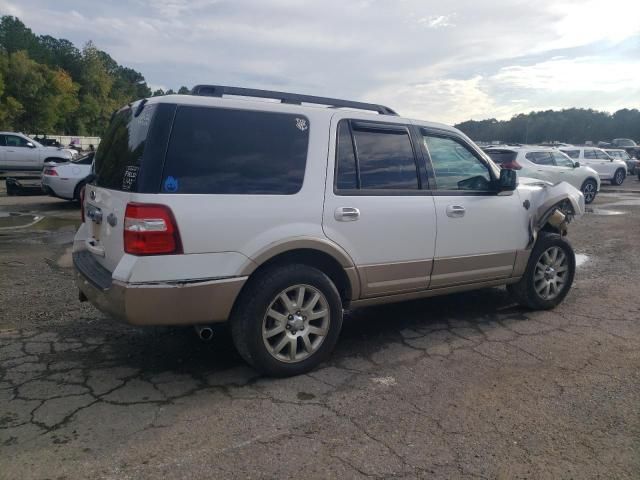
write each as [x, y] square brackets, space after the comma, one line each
[573, 125]
[48, 85]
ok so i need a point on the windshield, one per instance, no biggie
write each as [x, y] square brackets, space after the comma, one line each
[84, 159]
[624, 142]
[35, 142]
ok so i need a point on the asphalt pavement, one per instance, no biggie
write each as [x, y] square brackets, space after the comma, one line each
[464, 386]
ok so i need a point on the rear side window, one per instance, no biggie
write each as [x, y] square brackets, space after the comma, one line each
[118, 158]
[540, 158]
[346, 169]
[223, 151]
[374, 156]
[385, 159]
[589, 153]
[502, 156]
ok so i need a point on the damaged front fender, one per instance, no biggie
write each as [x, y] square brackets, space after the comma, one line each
[551, 207]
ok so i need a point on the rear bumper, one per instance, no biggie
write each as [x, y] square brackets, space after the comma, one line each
[162, 303]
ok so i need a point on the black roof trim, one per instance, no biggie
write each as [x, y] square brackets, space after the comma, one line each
[291, 98]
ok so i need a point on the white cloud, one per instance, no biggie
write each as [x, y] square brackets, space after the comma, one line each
[437, 21]
[474, 59]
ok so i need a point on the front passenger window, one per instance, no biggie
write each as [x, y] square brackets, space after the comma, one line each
[455, 167]
[13, 141]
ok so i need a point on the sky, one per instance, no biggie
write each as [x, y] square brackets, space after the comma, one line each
[445, 61]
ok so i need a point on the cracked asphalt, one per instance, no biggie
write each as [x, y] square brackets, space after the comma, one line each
[463, 386]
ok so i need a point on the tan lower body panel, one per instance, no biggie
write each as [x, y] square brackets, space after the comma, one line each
[165, 304]
[473, 268]
[401, 297]
[520, 264]
[392, 278]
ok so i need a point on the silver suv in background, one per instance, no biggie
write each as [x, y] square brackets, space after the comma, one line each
[21, 153]
[276, 216]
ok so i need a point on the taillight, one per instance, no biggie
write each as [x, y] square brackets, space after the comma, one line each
[150, 230]
[82, 203]
[51, 171]
[512, 165]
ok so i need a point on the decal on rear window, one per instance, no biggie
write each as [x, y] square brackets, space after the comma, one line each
[171, 184]
[301, 123]
[129, 178]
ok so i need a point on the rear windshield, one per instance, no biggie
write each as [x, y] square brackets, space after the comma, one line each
[117, 161]
[224, 151]
[502, 156]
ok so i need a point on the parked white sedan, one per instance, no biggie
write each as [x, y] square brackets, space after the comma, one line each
[65, 180]
[548, 164]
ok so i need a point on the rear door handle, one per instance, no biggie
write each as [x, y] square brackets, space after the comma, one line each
[346, 214]
[455, 211]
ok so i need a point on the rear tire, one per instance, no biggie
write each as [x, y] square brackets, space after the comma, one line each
[549, 274]
[287, 320]
[77, 190]
[589, 190]
[618, 177]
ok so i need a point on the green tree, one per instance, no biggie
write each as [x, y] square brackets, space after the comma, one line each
[184, 91]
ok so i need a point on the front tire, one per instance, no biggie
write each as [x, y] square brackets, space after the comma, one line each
[287, 320]
[589, 190]
[549, 274]
[618, 177]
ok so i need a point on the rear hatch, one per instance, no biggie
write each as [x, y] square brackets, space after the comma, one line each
[118, 165]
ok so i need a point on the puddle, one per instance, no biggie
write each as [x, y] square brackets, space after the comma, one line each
[14, 220]
[9, 220]
[581, 259]
[602, 211]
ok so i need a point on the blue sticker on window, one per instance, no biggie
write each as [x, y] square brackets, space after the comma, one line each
[171, 184]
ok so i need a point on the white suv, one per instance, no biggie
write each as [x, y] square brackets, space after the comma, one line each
[608, 168]
[19, 152]
[547, 164]
[278, 216]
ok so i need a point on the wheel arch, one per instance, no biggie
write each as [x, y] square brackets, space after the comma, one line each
[321, 254]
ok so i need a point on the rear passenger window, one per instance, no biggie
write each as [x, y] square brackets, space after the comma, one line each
[222, 151]
[540, 158]
[589, 153]
[372, 156]
[385, 160]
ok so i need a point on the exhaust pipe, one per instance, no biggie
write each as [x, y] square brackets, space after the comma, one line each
[204, 332]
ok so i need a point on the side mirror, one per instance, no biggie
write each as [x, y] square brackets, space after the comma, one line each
[508, 180]
[30, 145]
[576, 165]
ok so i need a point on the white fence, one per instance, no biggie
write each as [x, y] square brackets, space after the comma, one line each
[66, 140]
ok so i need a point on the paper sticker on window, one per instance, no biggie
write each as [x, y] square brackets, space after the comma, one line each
[129, 178]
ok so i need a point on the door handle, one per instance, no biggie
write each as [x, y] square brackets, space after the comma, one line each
[455, 211]
[346, 214]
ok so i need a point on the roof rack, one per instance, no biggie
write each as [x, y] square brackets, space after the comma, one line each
[290, 98]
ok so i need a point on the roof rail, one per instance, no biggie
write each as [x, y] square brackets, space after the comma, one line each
[291, 98]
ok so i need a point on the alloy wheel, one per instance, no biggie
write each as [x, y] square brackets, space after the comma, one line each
[550, 274]
[589, 192]
[296, 323]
